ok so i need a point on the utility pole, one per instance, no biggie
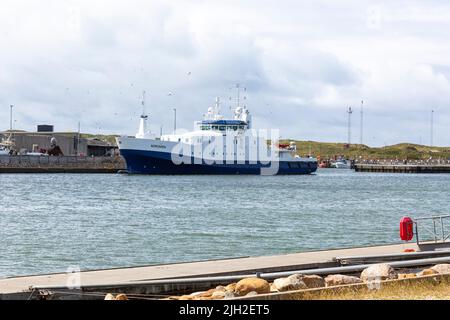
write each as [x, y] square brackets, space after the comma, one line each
[11, 117]
[78, 138]
[175, 121]
[361, 124]
[350, 111]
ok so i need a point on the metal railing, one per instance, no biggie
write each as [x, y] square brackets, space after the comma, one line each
[434, 228]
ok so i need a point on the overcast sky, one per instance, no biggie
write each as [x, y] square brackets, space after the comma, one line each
[303, 63]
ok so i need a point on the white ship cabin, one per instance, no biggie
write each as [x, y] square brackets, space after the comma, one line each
[214, 125]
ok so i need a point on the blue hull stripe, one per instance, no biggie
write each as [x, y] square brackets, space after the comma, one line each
[150, 162]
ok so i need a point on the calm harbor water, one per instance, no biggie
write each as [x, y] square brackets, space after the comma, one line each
[51, 222]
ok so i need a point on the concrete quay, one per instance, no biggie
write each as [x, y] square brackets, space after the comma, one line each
[20, 287]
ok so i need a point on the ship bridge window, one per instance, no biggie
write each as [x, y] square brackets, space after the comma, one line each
[222, 128]
[215, 127]
[235, 128]
[206, 128]
[241, 127]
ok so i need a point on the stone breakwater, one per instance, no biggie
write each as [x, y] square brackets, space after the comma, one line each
[249, 287]
[67, 164]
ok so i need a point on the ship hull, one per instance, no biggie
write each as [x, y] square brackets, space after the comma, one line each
[160, 163]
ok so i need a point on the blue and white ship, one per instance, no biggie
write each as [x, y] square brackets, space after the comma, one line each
[216, 146]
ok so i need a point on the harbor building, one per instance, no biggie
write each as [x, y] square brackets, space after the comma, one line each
[70, 143]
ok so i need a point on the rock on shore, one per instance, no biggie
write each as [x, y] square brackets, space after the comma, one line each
[298, 282]
[380, 271]
[314, 281]
[294, 282]
[120, 297]
[426, 272]
[443, 268]
[245, 286]
[339, 280]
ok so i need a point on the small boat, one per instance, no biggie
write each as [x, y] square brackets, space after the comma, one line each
[343, 164]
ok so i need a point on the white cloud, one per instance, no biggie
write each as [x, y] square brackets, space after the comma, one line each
[303, 63]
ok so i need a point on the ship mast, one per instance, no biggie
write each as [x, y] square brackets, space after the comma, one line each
[142, 133]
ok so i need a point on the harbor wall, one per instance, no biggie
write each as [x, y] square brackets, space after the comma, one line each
[64, 164]
[399, 168]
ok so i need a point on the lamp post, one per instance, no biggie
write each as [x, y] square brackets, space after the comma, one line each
[175, 120]
[350, 111]
[11, 117]
[432, 128]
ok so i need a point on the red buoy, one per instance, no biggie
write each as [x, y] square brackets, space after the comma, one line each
[406, 229]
